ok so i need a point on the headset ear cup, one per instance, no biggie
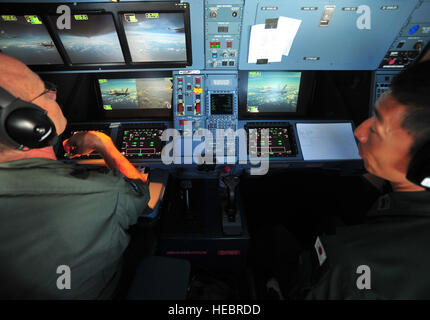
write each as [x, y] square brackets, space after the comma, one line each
[419, 166]
[31, 127]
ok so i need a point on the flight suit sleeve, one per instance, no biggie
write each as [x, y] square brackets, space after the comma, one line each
[132, 199]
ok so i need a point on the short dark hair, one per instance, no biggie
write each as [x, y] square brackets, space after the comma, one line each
[411, 88]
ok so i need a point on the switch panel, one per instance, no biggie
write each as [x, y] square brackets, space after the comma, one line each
[187, 99]
[223, 22]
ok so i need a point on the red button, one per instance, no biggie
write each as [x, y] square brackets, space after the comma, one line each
[198, 80]
[181, 122]
[392, 61]
[180, 107]
[229, 44]
[198, 107]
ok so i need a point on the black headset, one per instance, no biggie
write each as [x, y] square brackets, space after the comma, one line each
[24, 124]
[419, 166]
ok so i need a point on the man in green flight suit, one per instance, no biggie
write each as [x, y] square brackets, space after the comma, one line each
[387, 257]
[62, 235]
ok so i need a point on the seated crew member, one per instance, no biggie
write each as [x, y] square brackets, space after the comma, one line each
[387, 256]
[51, 216]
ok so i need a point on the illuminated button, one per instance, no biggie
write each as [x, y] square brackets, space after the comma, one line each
[179, 80]
[198, 107]
[214, 55]
[392, 61]
[414, 29]
[198, 80]
[229, 44]
[180, 107]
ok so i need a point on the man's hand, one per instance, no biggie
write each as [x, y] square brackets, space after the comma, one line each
[86, 142]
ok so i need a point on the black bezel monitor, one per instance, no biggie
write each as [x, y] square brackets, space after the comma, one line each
[278, 97]
[140, 96]
[47, 13]
[26, 37]
[91, 40]
[148, 32]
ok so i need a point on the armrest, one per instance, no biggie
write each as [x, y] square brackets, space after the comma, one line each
[157, 182]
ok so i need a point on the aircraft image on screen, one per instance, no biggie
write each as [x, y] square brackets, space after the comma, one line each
[28, 42]
[47, 44]
[94, 40]
[159, 38]
[273, 91]
[280, 90]
[119, 94]
[179, 30]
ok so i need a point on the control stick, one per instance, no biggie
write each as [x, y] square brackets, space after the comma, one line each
[186, 186]
[231, 182]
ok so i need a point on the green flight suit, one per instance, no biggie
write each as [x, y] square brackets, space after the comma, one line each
[395, 246]
[54, 214]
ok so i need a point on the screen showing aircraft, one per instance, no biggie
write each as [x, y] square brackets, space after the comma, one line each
[155, 37]
[27, 39]
[273, 91]
[92, 38]
[143, 93]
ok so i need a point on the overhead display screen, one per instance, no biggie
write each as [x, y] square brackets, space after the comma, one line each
[270, 91]
[155, 36]
[92, 38]
[143, 93]
[26, 38]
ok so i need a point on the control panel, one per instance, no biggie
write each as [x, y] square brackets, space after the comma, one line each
[278, 135]
[382, 84]
[398, 59]
[413, 37]
[141, 142]
[222, 100]
[188, 102]
[222, 33]
[71, 130]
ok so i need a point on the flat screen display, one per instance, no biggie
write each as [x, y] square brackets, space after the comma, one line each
[26, 38]
[271, 91]
[92, 38]
[155, 36]
[221, 103]
[135, 94]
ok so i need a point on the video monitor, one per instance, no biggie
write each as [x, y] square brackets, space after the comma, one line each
[26, 38]
[274, 93]
[156, 36]
[71, 129]
[221, 103]
[136, 97]
[92, 39]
